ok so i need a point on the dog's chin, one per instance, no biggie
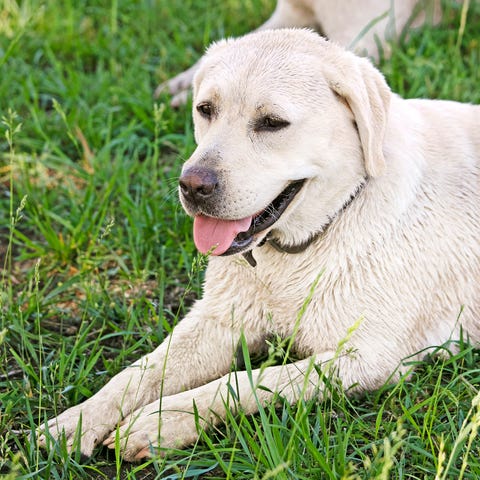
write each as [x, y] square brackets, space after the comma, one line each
[263, 222]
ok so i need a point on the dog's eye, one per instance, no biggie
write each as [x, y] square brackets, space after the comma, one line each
[205, 109]
[270, 124]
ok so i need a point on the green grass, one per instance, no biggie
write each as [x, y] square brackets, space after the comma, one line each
[97, 260]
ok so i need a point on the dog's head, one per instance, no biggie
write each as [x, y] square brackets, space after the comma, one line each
[288, 126]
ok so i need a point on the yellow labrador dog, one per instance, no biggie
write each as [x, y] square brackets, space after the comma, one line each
[365, 27]
[338, 214]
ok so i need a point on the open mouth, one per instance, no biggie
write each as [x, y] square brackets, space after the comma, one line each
[228, 237]
[265, 219]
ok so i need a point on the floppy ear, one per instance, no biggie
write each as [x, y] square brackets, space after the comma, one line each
[367, 94]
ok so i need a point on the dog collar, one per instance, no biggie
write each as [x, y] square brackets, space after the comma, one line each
[301, 247]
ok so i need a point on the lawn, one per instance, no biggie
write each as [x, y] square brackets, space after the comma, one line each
[97, 261]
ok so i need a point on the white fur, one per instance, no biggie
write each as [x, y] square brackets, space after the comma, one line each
[388, 276]
[365, 27]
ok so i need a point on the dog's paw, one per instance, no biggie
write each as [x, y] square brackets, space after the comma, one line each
[82, 426]
[145, 431]
[179, 99]
[178, 87]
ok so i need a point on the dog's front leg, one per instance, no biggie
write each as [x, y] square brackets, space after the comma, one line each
[200, 349]
[174, 421]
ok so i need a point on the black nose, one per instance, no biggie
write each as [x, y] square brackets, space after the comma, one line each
[197, 184]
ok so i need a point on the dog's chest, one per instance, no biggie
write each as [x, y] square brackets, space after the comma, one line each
[299, 294]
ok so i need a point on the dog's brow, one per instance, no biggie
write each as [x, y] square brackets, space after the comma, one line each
[271, 108]
[210, 94]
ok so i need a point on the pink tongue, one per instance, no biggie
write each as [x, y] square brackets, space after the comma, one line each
[211, 232]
